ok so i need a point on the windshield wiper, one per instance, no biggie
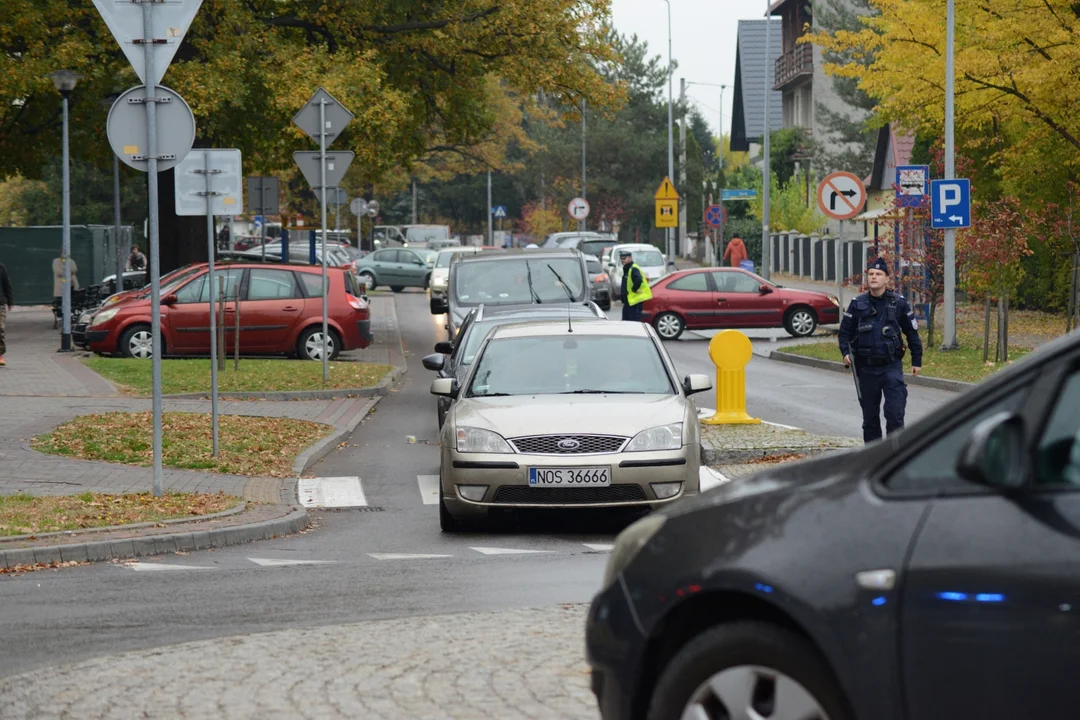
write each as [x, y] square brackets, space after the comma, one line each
[532, 291]
[569, 295]
[490, 395]
[602, 392]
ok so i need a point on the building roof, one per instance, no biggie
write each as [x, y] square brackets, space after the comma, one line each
[748, 109]
[894, 147]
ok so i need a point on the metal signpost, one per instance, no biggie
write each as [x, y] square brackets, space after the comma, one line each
[715, 217]
[262, 200]
[132, 23]
[208, 182]
[323, 118]
[841, 196]
[358, 206]
[373, 212]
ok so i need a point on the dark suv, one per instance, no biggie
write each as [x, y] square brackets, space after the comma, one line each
[512, 277]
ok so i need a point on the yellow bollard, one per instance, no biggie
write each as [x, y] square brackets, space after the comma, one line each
[730, 351]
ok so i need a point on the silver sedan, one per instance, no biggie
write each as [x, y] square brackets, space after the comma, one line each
[546, 419]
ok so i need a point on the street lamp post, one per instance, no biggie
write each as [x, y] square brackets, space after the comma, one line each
[65, 81]
[949, 280]
[670, 126]
[765, 269]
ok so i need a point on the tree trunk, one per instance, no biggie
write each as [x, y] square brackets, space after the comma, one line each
[1000, 327]
[1073, 320]
[182, 238]
[931, 307]
[986, 331]
[1005, 331]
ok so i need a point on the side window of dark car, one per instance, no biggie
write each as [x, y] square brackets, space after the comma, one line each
[694, 282]
[1057, 459]
[934, 466]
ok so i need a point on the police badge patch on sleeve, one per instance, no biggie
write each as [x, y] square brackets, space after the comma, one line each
[914, 324]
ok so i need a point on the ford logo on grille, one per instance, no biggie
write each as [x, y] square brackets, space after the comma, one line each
[569, 444]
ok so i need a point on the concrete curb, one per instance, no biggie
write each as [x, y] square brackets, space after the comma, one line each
[322, 448]
[103, 550]
[239, 508]
[383, 388]
[720, 456]
[921, 380]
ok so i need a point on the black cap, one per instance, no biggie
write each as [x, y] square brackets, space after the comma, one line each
[879, 264]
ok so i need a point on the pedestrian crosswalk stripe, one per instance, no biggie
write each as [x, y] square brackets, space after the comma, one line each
[331, 492]
[406, 556]
[162, 567]
[710, 478]
[276, 562]
[429, 488]
[506, 551]
[599, 547]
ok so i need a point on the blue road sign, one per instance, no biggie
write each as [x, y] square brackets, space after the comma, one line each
[258, 223]
[715, 215]
[499, 211]
[912, 184]
[950, 204]
[749, 194]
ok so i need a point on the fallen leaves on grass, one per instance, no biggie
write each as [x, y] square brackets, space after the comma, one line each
[258, 446]
[255, 375]
[27, 515]
[55, 565]
[772, 459]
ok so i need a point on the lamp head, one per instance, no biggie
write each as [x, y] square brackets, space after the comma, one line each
[65, 80]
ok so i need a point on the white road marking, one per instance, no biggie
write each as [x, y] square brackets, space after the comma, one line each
[275, 562]
[160, 567]
[600, 547]
[786, 427]
[506, 551]
[331, 492]
[405, 556]
[710, 478]
[429, 488]
[703, 413]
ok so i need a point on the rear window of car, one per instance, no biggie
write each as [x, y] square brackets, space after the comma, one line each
[445, 257]
[520, 280]
[312, 283]
[594, 266]
[561, 364]
[595, 247]
[648, 258]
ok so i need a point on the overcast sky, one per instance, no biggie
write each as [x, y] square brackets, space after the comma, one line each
[703, 35]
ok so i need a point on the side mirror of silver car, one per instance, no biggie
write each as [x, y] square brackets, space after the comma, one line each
[696, 383]
[445, 387]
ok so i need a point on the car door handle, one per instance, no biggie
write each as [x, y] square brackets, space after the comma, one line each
[290, 308]
[721, 300]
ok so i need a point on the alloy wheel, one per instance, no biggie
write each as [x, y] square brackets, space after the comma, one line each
[669, 326]
[141, 345]
[754, 693]
[313, 346]
[802, 323]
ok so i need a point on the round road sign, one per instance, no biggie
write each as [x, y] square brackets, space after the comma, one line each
[358, 206]
[578, 208]
[127, 129]
[841, 195]
[715, 215]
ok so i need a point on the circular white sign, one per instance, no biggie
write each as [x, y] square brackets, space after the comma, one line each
[578, 208]
[841, 195]
[126, 129]
[358, 206]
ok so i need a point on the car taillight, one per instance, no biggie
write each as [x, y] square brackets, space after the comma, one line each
[355, 302]
[601, 278]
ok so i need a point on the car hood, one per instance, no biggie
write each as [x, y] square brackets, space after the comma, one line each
[793, 295]
[623, 415]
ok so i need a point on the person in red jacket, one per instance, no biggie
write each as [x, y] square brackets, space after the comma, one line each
[736, 250]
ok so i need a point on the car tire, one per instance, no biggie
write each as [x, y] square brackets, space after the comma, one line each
[136, 342]
[369, 280]
[397, 288]
[447, 522]
[309, 346]
[800, 321]
[669, 326]
[787, 664]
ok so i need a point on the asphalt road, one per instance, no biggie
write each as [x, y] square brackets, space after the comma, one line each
[363, 565]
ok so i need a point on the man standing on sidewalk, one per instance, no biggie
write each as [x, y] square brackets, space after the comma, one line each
[7, 301]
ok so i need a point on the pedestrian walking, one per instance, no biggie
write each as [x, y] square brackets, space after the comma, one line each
[870, 337]
[7, 302]
[635, 288]
[736, 251]
[136, 260]
[58, 277]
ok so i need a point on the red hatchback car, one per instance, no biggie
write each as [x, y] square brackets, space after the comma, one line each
[279, 307]
[715, 298]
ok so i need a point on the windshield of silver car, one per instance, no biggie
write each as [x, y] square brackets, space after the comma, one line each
[557, 364]
[536, 280]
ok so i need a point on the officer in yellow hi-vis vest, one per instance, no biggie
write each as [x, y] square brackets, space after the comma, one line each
[635, 288]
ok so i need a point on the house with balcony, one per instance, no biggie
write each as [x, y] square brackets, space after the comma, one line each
[751, 68]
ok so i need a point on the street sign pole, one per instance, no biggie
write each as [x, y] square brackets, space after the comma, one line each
[949, 340]
[213, 309]
[155, 254]
[840, 266]
[325, 284]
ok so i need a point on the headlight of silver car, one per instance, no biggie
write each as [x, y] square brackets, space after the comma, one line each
[104, 316]
[665, 437]
[629, 544]
[478, 440]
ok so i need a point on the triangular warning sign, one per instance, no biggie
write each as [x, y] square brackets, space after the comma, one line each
[666, 191]
[170, 24]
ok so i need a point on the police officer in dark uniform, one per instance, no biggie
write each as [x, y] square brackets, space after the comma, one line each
[635, 288]
[870, 337]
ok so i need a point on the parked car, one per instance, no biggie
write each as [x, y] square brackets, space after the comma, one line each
[647, 257]
[711, 298]
[397, 267]
[279, 307]
[545, 418]
[588, 244]
[553, 240]
[598, 281]
[930, 575]
[440, 273]
[452, 358]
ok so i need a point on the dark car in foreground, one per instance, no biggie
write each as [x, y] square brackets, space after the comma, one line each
[932, 575]
[714, 298]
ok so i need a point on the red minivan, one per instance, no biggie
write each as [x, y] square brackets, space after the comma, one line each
[279, 309]
[713, 298]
